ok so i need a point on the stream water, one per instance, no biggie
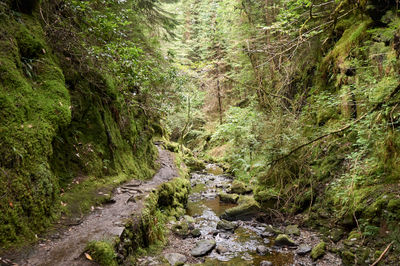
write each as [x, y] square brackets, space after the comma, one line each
[239, 246]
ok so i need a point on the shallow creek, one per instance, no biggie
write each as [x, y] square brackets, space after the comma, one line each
[238, 247]
[205, 207]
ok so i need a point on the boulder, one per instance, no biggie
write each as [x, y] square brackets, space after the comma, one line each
[318, 251]
[284, 240]
[245, 211]
[292, 230]
[203, 247]
[239, 187]
[266, 263]
[175, 258]
[226, 225]
[228, 198]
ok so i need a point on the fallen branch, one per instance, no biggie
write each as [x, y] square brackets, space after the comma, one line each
[377, 106]
[383, 254]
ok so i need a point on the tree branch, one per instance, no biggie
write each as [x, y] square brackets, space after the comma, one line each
[376, 107]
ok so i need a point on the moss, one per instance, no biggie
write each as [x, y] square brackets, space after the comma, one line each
[149, 227]
[33, 113]
[228, 198]
[246, 209]
[348, 257]
[102, 252]
[268, 198]
[318, 251]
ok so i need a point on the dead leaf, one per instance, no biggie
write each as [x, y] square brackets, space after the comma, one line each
[88, 256]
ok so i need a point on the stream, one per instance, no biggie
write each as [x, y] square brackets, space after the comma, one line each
[247, 243]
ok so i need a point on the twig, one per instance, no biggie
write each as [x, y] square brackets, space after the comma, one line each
[383, 254]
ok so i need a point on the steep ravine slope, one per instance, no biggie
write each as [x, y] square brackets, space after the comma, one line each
[57, 125]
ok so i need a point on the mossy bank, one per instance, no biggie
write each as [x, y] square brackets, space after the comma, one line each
[57, 126]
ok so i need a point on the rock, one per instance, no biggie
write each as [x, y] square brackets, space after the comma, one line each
[336, 234]
[195, 232]
[203, 247]
[226, 225]
[175, 258]
[221, 249]
[318, 251]
[181, 229]
[267, 234]
[245, 211]
[228, 198]
[239, 187]
[303, 249]
[292, 230]
[262, 250]
[266, 263]
[284, 240]
[272, 230]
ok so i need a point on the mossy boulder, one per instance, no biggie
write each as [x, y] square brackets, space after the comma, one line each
[228, 198]
[284, 240]
[268, 198]
[239, 187]
[226, 225]
[244, 211]
[318, 251]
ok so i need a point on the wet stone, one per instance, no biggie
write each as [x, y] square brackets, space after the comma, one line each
[262, 250]
[221, 249]
[303, 249]
[203, 247]
[175, 258]
[267, 234]
[266, 263]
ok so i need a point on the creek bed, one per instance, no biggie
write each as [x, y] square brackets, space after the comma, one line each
[238, 247]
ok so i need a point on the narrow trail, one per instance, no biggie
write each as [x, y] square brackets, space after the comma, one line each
[106, 222]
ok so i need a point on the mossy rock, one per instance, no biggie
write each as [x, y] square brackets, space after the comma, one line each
[318, 251]
[348, 258]
[284, 240]
[292, 230]
[245, 211]
[336, 234]
[268, 198]
[228, 198]
[239, 187]
[102, 252]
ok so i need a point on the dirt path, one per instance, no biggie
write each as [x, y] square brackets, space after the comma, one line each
[66, 248]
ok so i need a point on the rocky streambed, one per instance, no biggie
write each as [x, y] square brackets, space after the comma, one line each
[221, 228]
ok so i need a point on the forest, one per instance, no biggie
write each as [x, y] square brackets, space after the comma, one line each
[189, 132]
